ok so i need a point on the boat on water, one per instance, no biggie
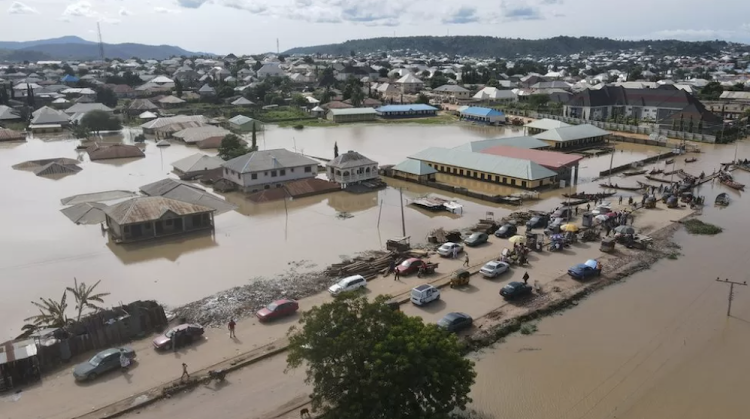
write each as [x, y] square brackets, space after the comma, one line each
[722, 199]
[656, 179]
[588, 196]
[691, 160]
[645, 185]
[624, 188]
[732, 184]
[655, 171]
[743, 167]
[670, 161]
[437, 204]
[634, 173]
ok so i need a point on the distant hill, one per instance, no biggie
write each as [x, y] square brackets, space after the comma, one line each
[487, 46]
[75, 48]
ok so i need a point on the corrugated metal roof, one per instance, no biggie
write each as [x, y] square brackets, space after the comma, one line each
[150, 208]
[504, 166]
[406, 108]
[520, 142]
[353, 111]
[114, 151]
[197, 162]
[267, 160]
[10, 135]
[35, 164]
[16, 351]
[549, 159]
[86, 213]
[57, 169]
[195, 134]
[573, 132]
[162, 122]
[414, 167]
[546, 124]
[350, 159]
[477, 111]
[87, 107]
[46, 115]
[96, 197]
[187, 192]
[163, 186]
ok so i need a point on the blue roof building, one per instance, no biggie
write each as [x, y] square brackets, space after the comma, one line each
[417, 110]
[484, 115]
[70, 79]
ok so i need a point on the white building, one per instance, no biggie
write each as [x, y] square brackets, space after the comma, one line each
[410, 84]
[269, 70]
[351, 167]
[268, 169]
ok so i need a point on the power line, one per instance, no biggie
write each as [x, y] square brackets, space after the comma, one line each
[731, 292]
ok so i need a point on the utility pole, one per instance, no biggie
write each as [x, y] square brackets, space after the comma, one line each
[403, 223]
[731, 292]
[101, 44]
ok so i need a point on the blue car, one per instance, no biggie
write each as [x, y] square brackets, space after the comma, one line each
[586, 270]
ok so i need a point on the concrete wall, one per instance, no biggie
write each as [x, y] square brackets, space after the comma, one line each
[492, 177]
[266, 177]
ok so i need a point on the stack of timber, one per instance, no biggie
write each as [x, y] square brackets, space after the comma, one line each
[367, 267]
[439, 235]
[487, 226]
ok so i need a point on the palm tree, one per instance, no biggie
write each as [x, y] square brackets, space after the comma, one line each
[85, 298]
[51, 313]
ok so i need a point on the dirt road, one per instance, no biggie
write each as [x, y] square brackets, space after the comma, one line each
[51, 398]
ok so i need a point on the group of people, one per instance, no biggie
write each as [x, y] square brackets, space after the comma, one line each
[617, 218]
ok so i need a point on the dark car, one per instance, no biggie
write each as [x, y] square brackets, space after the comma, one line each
[537, 221]
[277, 310]
[101, 363]
[181, 335]
[506, 231]
[564, 212]
[410, 266]
[455, 322]
[583, 271]
[476, 239]
[515, 289]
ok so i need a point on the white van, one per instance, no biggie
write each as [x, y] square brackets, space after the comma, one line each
[424, 294]
[349, 283]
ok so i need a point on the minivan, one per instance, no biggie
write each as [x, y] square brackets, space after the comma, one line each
[424, 294]
[349, 283]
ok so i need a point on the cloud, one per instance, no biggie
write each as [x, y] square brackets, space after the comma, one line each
[253, 7]
[124, 12]
[164, 10]
[519, 10]
[366, 12]
[80, 9]
[462, 15]
[191, 4]
[551, 1]
[18, 8]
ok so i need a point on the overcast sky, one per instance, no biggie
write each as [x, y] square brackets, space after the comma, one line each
[252, 26]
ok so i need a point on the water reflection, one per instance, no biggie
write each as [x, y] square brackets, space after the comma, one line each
[350, 202]
[170, 249]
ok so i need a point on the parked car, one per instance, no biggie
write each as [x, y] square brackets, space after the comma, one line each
[476, 239]
[602, 209]
[455, 322]
[409, 266]
[277, 310]
[105, 361]
[506, 231]
[424, 294]
[515, 289]
[446, 250]
[350, 283]
[563, 212]
[494, 268]
[537, 221]
[586, 270]
[181, 335]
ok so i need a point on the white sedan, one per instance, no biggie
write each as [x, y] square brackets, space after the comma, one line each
[446, 250]
[494, 268]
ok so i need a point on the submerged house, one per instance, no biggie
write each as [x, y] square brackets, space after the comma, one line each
[151, 217]
[351, 167]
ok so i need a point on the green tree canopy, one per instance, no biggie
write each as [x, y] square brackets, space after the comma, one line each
[96, 121]
[422, 98]
[106, 96]
[367, 361]
[712, 90]
[232, 146]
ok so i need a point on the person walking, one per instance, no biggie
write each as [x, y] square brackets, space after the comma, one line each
[396, 275]
[620, 200]
[455, 252]
[588, 206]
[526, 277]
[231, 326]
[185, 374]
[124, 361]
[391, 266]
[466, 261]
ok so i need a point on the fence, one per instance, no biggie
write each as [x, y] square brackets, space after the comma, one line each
[612, 126]
[631, 164]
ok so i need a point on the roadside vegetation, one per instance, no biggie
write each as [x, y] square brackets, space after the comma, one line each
[366, 360]
[529, 328]
[53, 313]
[696, 226]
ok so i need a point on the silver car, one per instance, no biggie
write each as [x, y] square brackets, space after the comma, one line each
[446, 250]
[494, 268]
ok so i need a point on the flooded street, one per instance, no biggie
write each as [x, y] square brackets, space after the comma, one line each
[42, 251]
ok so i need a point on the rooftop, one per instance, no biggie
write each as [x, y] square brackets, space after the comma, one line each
[520, 142]
[267, 160]
[477, 111]
[571, 133]
[546, 124]
[350, 159]
[149, 208]
[406, 108]
[414, 167]
[498, 165]
[549, 159]
[197, 162]
[354, 111]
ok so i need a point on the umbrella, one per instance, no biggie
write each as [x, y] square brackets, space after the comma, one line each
[602, 217]
[518, 239]
[572, 228]
[624, 230]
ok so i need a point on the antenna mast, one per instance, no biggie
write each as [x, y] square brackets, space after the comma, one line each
[101, 44]
[277, 46]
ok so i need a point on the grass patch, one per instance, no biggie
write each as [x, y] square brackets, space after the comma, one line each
[695, 226]
[307, 123]
[443, 119]
[673, 256]
[528, 328]
[282, 112]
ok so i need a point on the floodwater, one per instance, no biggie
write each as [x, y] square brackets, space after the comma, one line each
[659, 345]
[41, 251]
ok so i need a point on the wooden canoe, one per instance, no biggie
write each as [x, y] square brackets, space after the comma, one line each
[634, 173]
[624, 188]
[670, 161]
[691, 160]
[732, 184]
[656, 179]
[655, 171]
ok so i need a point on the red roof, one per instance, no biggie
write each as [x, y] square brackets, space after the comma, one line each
[549, 159]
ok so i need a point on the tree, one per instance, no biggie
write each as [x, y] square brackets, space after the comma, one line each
[97, 120]
[254, 139]
[51, 313]
[232, 146]
[493, 83]
[299, 100]
[422, 98]
[538, 100]
[335, 149]
[84, 296]
[635, 74]
[106, 96]
[712, 90]
[368, 361]
[327, 78]
[383, 72]
[177, 88]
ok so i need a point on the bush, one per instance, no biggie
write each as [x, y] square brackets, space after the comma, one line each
[695, 226]
[528, 328]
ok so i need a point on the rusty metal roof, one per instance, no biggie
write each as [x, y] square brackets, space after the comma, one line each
[16, 351]
[150, 208]
[10, 135]
[114, 151]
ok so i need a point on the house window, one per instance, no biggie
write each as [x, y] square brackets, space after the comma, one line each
[273, 173]
[308, 169]
[226, 171]
[265, 173]
[292, 170]
[282, 172]
[254, 176]
[523, 184]
[168, 223]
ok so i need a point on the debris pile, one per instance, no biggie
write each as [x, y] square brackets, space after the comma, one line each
[439, 235]
[369, 266]
[521, 217]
